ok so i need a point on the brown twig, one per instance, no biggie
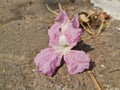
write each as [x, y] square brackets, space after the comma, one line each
[94, 80]
[100, 29]
[90, 28]
[52, 11]
[87, 30]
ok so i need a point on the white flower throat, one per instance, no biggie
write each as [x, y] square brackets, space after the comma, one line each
[63, 45]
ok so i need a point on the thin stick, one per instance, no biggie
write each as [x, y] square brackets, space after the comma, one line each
[86, 29]
[94, 80]
[90, 27]
[89, 15]
[52, 11]
[100, 29]
[60, 6]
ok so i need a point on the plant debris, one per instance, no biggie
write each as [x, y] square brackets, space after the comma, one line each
[93, 22]
[92, 76]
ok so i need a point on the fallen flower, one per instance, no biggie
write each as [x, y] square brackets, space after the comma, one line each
[64, 35]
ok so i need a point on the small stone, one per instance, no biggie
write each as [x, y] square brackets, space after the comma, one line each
[4, 71]
[117, 88]
[100, 75]
[118, 28]
[33, 70]
[102, 66]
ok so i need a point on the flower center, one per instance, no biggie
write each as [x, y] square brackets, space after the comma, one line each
[63, 45]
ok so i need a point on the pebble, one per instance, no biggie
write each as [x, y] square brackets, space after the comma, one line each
[33, 70]
[103, 66]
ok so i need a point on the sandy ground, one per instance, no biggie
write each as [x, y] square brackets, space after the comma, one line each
[23, 33]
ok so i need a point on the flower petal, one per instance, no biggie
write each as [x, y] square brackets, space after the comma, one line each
[73, 33]
[62, 17]
[54, 34]
[75, 21]
[77, 61]
[47, 61]
[55, 31]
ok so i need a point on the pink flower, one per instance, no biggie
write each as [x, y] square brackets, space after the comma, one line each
[64, 35]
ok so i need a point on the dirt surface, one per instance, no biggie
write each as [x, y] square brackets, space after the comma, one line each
[23, 33]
